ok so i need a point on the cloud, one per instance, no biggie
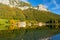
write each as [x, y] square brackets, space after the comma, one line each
[46, 6]
[24, 0]
[46, 3]
[56, 5]
[55, 8]
[50, 3]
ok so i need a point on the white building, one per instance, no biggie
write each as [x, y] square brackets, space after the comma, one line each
[41, 24]
[21, 24]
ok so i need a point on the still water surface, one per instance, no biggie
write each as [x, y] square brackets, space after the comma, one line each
[55, 37]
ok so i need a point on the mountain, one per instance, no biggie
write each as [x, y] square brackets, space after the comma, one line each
[7, 12]
[41, 16]
[39, 13]
[16, 3]
[41, 7]
[11, 3]
[22, 5]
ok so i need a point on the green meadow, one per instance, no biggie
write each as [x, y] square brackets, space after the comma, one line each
[4, 24]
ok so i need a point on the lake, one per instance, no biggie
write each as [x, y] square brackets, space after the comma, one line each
[55, 37]
[29, 34]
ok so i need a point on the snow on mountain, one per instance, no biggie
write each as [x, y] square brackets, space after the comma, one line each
[41, 7]
[4, 2]
[16, 3]
[11, 3]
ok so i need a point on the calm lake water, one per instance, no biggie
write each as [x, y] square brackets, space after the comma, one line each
[55, 37]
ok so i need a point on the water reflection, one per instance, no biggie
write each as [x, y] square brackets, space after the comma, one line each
[55, 37]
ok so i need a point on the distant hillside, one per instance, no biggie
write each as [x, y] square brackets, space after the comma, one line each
[32, 14]
[7, 12]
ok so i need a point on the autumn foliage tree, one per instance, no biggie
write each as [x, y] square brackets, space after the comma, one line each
[12, 24]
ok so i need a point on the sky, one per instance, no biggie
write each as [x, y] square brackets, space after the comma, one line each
[52, 5]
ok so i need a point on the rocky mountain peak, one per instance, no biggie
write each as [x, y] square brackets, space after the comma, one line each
[42, 7]
[22, 5]
[11, 3]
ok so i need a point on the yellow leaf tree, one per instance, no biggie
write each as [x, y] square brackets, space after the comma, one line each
[12, 24]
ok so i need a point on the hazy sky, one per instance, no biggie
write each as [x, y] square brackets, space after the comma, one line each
[52, 5]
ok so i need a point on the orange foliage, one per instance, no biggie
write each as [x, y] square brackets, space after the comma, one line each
[11, 27]
[12, 22]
